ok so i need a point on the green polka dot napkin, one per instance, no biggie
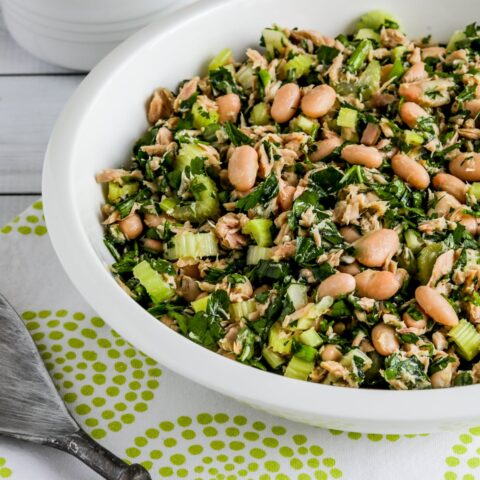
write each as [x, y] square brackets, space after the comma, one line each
[176, 428]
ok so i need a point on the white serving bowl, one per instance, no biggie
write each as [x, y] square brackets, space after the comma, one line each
[96, 131]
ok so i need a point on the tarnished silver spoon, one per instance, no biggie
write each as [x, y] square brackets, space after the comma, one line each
[31, 408]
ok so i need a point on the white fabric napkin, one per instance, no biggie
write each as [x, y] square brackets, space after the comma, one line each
[176, 428]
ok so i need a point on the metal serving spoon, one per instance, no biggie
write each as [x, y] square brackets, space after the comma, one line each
[31, 408]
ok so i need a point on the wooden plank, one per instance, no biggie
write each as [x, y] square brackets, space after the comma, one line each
[12, 205]
[15, 60]
[29, 107]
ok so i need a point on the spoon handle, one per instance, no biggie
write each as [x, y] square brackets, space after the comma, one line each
[98, 458]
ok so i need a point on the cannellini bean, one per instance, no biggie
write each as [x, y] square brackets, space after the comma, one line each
[412, 323]
[285, 197]
[243, 168]
[444, 204]
[436, 306]
[350, 234]
[473, 106]
[442, 378]
[318, 101]
[331, 353]
[379, 285]
[466, 166]
[410, 171]
[228, 107]
[410, 113]
[375, 248]
[351, 269]
[384, 339]
[285, 103]
[369, 157]
[371, 134]
[336, 285]
[131, 226]
[152, 244]
[325, 148]
[452, 185]
[415, 72]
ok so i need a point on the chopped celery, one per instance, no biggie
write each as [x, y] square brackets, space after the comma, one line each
[413, 240]
[242, 309]
[168, 204]
[299, 369]
[359, 55]
[195, 245]
[275, 41]
[375, 19]
[347, 117]
[426, 260]
[398, 51]
[474, 190]
[311, 337]
[304, 124]
[246, 78]
[203, 118]
[186, 153]
[221, 59]
[206, 203]
[412, 138]
[466, 338]
[370, 79]
[312, 312]
[265, 77]
[358, 358]
[117, 192]
[298, 66]
[304, 352]
[200, 305]
[297, 293]
[397, 69]
[256, 253]
[457, 36]
[259, 230]
[260, 114]
[367, 33]
[210, 132]
[272, 358]
[157, 288]
[279, 341]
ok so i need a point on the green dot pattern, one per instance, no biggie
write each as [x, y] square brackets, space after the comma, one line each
[32, 222]
[5, 471]
[464, 457]
[222, 447]
[104, 390]
[374, 437]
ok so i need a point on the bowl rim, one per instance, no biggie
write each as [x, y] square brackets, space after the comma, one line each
[263, 389]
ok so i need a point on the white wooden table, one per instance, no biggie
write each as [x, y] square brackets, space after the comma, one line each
[32, 94]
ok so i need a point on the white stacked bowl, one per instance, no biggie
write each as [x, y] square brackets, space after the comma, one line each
[76, 34]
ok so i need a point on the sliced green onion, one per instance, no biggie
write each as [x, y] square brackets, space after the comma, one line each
[259, 230]
[359, 55]
[260, 114]
[299, 369]
[347, 117]
[221, 59]
[117, 192]
[397, 69]
[157, 288]
[466, 338]
[195, 245]
[256, 253]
